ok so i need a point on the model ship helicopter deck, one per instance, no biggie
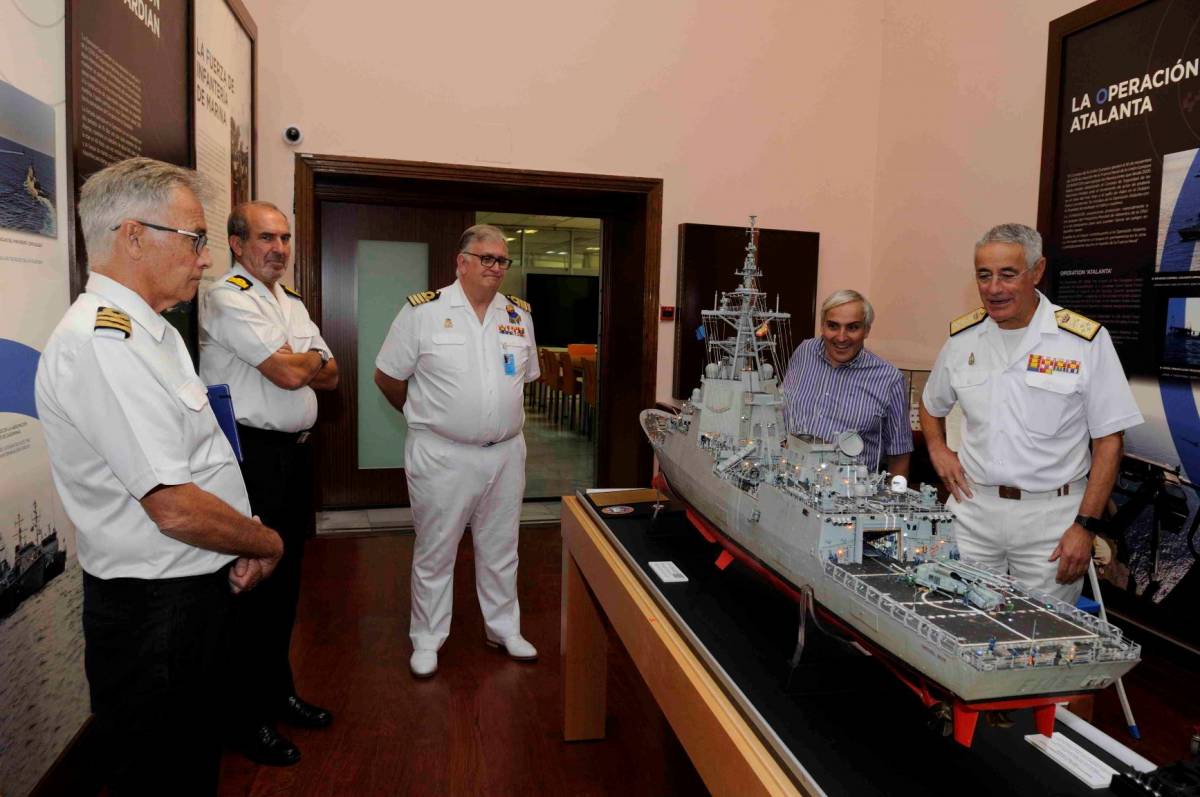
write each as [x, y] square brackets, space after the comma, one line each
[875, 556]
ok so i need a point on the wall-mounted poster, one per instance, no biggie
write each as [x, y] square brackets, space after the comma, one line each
[43, 693]
[1120, 195]
[1119, 207]
[223, 78]
[129, 67]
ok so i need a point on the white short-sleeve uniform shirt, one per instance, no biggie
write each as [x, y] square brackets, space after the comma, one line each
[123, 414]
[242, 323]
[465, 378]
[1028, 416]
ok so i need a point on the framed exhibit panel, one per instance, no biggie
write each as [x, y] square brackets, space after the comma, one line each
[1119, 202]
[1119, 210]
[127, 78]
[709, 256]
[223, 69]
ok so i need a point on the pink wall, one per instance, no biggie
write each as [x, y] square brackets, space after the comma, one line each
[959, 140]
[898, 130]
[767, 107]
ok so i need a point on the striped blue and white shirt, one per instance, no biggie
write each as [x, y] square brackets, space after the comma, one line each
[866, 394]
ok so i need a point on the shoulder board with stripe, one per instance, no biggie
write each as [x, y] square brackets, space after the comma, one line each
[967, 321]
[112, 318]
[239, 281]
[292, 293]
[519, 302]
[1076, 324]
[423, 297]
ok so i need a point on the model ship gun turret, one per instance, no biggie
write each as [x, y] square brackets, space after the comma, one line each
[874, 556]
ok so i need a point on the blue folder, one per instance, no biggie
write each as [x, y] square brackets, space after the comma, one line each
[222, 406]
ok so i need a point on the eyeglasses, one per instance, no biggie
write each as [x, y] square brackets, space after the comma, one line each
[1006, 276]
[487, 261]
[199, 239]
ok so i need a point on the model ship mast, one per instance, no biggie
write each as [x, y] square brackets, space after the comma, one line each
[741, 334]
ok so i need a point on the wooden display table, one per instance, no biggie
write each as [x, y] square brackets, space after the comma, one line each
[725, 749]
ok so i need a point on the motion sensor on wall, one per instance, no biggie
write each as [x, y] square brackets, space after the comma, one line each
[293, 135]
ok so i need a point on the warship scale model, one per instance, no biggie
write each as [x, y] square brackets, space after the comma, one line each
[862, 548]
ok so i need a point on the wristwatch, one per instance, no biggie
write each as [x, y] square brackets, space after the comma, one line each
[1093, 524]
[325, 356]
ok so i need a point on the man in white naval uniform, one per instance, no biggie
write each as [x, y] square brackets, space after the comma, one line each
[257, 337]
[1036, 384]
[150, 482]
[455, 361]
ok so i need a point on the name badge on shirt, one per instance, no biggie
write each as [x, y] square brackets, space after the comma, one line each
[1051, 365]
[510, 364]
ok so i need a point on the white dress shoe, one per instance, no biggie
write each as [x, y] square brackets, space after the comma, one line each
[516, 647]
[423, 663]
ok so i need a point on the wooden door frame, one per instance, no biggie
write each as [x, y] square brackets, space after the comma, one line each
[631, 211]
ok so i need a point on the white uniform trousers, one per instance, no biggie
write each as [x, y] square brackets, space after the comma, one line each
[1017, 536]
[449, 485]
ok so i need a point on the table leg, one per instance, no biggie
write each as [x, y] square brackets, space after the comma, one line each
[585, 657]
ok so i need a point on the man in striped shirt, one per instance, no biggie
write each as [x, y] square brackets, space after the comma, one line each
[833, 384]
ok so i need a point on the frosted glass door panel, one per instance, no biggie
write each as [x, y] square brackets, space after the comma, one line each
[388, 271]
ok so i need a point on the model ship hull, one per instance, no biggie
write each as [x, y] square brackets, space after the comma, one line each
[973, 654]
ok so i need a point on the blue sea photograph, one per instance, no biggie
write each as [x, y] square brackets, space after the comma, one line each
[1182, 342]
[27, 170]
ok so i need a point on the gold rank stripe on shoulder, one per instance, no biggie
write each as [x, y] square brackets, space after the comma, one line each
[519, 302]
[292, 293]
[967, 321]
[111, 318]
[423, 297]
[1076, 324]
[239, 281]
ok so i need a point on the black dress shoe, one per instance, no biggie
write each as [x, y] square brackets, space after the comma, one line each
[305, 715]
[264, 745]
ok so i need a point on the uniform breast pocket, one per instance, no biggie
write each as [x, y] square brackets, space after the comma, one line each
[193, 395]
[973, 390]
[1051, 401]
[449, 352]
[519, 353]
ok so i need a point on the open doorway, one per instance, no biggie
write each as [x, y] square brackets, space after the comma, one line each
[348, 209]
[556, 268]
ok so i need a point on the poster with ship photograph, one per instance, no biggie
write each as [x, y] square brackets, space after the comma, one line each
[27, 165]
[1177, 259]
[1180, 325]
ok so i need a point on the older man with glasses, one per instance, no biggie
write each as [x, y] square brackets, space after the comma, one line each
[1036, 383]
[455, 362]
[162, 517]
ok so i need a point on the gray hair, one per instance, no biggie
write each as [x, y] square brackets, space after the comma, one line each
[478, 232]
[129, 189]
[1027, 238]
[239, 225]
[838, 298]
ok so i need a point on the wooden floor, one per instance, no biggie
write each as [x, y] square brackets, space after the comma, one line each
[484, 725]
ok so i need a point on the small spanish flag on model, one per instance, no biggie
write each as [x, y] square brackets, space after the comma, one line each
[762, 331]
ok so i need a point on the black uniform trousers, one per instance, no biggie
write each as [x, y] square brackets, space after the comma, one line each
[152, 651]
[277, 468]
